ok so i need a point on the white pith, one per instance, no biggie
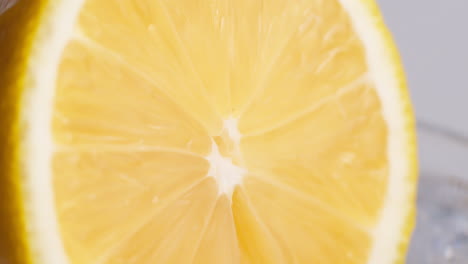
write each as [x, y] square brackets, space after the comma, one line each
[55, 30]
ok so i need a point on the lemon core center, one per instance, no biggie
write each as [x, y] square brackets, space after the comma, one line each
[225, 159]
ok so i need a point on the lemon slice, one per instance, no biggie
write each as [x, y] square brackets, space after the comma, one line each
[203, 131]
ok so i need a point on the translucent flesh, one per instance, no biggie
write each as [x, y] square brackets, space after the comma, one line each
[143, 90]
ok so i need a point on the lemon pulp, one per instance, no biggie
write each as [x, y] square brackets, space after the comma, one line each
[215, 131]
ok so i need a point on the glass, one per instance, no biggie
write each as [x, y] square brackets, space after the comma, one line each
[441, 234]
